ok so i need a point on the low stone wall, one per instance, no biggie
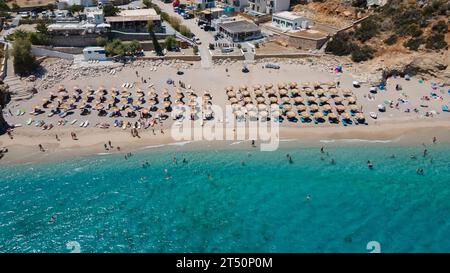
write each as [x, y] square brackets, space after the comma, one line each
[4, 61]
[228, 57]
[74, 40]
[286, 55]
[68, 50]
[189, 58]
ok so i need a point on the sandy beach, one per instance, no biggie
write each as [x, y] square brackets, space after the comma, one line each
[396, 124]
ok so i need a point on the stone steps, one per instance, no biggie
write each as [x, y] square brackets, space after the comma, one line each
[17, 89]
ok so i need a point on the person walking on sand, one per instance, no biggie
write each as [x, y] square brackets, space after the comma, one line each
[434, 140]
[110, 144]
[57, 138]
[106, 147]
[322, 150]
[41, 148]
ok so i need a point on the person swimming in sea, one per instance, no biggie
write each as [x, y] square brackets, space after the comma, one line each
[322, 150]
[175, 160]
[369, 164]
[308, 197]
[290, 160]
[52, 219]
[253, 143]
[210, 177]
[392, 156]
[434, 140]
[185, 161]
[333, 162]
[419, 171]
[413, 156]
[425, 152]
[242, 163]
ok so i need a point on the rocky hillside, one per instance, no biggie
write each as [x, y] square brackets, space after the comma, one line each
[4, 100]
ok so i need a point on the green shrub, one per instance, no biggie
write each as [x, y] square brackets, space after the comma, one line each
[391, 40]
[339, 44]
[414, 43]
[436, 41]
[368, 29]
[440, 27]
[211, 46]
[101, 41]
[361, 54]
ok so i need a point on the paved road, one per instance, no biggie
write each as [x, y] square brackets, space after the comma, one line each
[205, 37]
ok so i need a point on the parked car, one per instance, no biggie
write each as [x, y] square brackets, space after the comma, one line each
[188, 16]
[245, 70]
[209, 28]
[200, 23]
[273, 66]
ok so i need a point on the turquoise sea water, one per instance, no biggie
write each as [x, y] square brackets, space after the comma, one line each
[109, 204]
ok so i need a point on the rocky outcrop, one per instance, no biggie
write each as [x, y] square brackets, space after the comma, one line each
[5, 98]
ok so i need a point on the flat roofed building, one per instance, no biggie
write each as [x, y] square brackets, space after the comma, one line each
[269, 6]
[290, 20]
[240, 31]
[135, 21]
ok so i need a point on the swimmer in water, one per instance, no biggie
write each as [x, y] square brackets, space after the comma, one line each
[425, 152]
[52, 219]
[308, 197]
[419, 171]
[290, 160]
[253, 143]
[210, 177]
[175, 160]
[413, 157]
[333, 162]
[321, 150]
[243, 163]
[370, 164]
[392, 156]
[184, 160]
[168, 177]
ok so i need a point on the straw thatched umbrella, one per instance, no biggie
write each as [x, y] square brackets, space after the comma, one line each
[333, 92]
[347, 92]
[263, 114]
[243, 87]
[327, 107]
[271, 92]
[287, 107]
[233, 100]
[285, 99]
[301, 108]
[273, 99]
[229, 88]
[295, 91]
[282, 92]
[320, 92]
[292, 85]
[360, 116]
[351, 100]
[252, 114]
[318, 115]
[314, 108]
[238, 113]
[290, 114]
[152, 102]
[245, 93]
[308, 91]
[330, 84]
[247, 100]
[268, 86]
[260, 99]
[298, 100]
[178, 96]
[258, 92]
[231, 94]
[262, 106]
[250, 106]
[256, 87]
[276, 113]
[332, 116]
[167, 104]
[338, 100]
[354, 108]
[305, 114]
[61, 88]
[345, 116]
[340, 108]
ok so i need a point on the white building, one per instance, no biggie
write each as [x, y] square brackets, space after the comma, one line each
[289, 20]
[95, 17]
[94, 53]
[268, 6]
[67, 3]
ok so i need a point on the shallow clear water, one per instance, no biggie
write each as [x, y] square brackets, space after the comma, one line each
[109, 204]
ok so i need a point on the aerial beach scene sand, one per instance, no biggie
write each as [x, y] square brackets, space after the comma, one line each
[91, 159]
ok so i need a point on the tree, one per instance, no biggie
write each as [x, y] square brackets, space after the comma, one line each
[24, 62]
[133, 47]
[101, 41]
[115, 48]
[436, 41]
[4, 6]
[75, 9]
[110, 10]
[147, 3]
[368, 29]
[339, 44]
[156, 45]
[42, 27]
[15, 6]
[360, 54]
[170, 43]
